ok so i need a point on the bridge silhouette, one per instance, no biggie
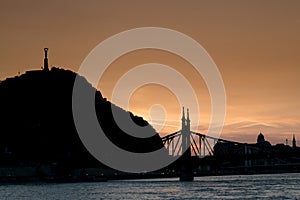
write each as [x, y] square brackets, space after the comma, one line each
[237, 157]
[183, 140]
[187, 143]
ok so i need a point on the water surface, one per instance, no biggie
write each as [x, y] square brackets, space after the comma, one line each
[275, 186]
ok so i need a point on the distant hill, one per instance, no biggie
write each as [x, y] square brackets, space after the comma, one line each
[36, 122]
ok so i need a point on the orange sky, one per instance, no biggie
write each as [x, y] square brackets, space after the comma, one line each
[255, 44]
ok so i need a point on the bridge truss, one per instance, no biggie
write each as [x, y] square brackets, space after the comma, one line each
[200, 145]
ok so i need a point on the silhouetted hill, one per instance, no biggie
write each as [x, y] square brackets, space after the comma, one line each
[36, 122]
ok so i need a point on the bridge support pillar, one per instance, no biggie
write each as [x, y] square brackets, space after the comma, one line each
[186, 170]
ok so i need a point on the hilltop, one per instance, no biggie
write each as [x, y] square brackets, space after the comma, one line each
[37, 125]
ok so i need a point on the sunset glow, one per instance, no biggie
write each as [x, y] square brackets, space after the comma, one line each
[255, 45]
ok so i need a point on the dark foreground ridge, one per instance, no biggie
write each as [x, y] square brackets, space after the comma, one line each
[38, 136]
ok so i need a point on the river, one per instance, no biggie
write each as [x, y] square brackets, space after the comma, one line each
[270, 186]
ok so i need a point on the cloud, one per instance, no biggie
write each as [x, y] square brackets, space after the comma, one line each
[247, 131]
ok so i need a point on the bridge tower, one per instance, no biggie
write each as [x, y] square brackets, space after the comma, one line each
[186, 172]
[183, 132]
[188, 123]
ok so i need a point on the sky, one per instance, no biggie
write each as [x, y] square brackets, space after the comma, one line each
[255, 44]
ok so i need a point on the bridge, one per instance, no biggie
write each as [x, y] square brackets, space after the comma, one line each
[259, 157]
[200, 144]
[187, 143]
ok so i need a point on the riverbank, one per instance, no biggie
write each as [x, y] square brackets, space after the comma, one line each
[44, 174]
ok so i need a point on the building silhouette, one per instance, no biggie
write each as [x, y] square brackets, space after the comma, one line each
[261, 141]
[260, 154]
[260, 138]
[294, 142]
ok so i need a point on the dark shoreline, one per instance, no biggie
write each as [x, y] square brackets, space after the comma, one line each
[108, 175]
